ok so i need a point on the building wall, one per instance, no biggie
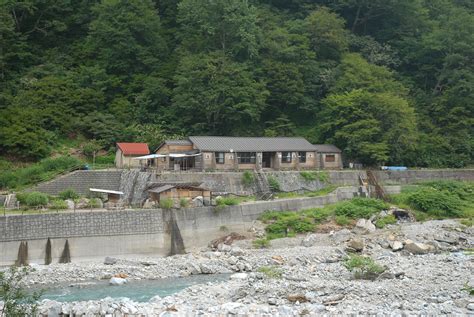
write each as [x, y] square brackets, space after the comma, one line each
[337, 164]
[126, 161]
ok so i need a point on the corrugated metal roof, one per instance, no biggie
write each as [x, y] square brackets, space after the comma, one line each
[178, 142]
[164, 187]
[327, 148]
[134, 148]
[250, 144]
[161, 189]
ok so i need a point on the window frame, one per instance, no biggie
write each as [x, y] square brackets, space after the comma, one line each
[286, 158]
[302, 157]
[218, 157]
[331, 156]
[247, 157]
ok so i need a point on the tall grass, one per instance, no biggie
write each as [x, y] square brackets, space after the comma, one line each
[46, 169]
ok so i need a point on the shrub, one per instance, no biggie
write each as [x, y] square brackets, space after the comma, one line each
[464, 190]
[68, 194]
[435, 202]
[342, 220]
[309, 176]
[387, 220]
[363, 267]
[183, 202]
[166, 203]
[273, 184]
[16, 300]
[261, 243]
[227, 201]
[58, 204]
[33, 199]
[289, 224]
[105, 159]
[467, 222]
[248, 178]
[270, 271]
[38, 172]
[323, 176]
[94, 203]
[360, 207]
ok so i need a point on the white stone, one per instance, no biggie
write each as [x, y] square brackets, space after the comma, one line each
[364, 226]
[395, 245]
[239, 276]
[117, 281]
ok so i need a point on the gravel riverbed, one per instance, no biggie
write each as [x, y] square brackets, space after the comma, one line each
[301, 276]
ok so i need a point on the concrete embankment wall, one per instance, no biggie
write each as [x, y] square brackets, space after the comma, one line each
[137, 232]
[231, 182]
[81, 181]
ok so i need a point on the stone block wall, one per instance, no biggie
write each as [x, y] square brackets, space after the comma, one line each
[81, 181]
[80, 224]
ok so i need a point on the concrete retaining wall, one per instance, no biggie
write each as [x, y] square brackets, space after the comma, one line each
[133, 232]
[231, 182]
[81, 181]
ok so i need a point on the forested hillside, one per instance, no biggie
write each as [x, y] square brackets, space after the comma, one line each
[388, 81]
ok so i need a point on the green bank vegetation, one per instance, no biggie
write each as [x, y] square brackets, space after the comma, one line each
[428, 200]
[438, 199]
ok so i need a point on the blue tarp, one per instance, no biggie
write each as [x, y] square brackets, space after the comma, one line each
[394, 168]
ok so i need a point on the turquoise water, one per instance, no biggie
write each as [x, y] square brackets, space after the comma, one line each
[139, 291]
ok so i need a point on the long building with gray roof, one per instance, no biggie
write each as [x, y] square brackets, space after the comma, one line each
[208, 153]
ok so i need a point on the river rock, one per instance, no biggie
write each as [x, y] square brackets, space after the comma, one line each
[309, 240]
[395, 245]
[236, 251]
[83, 203]
[222, 247]
[70, 204]
[418, 248]
[239, 276]
[110, 261]
[364, 226]
[117, 281]
[355, 244]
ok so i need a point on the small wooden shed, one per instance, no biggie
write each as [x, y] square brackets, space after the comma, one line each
[176, 192]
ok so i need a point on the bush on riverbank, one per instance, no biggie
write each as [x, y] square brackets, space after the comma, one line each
[438, 199]
[287, 224]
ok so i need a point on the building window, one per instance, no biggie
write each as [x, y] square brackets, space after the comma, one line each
[286, 157]
[220, 157]
[246, 157]
[330, 158]
[302, 157]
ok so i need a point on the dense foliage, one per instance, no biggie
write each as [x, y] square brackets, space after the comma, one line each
[387, 81]
[11, 177]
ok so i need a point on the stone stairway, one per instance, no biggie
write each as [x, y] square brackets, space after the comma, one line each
[10, 202]
[263, 189]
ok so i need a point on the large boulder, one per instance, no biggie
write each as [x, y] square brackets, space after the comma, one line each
[110, 261]
[418, 248]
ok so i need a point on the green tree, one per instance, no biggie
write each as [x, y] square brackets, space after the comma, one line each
[218, 96]
[125, 37]
[228, 26]
[327, 34]
[372, 128]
